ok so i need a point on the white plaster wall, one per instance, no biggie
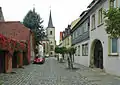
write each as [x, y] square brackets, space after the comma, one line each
[84, 60]
[110, 63]
[45, 47]
[40, 50]
[51, 37]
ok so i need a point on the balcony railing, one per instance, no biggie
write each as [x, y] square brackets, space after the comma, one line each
[80, 38]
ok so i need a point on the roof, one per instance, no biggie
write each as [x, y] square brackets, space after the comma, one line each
[74, 23]
[14, 30]
[50, 24]
[83, 13]
[91, 3]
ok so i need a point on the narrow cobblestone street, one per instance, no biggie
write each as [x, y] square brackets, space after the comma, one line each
[54, 73]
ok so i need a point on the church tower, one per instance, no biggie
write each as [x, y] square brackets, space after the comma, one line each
[51, 36]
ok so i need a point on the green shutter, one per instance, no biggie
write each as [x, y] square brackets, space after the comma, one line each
[109, 45]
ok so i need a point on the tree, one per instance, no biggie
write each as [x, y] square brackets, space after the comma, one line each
[61, 50]
[33, 21]
[112, 20]
[71, 51]
[57, 50]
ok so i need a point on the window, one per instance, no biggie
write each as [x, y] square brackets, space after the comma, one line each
[82, 31]
[50, 32]
[68, 41]
[100, 16]
[72, 36]
[114, 45]
[78, 50]
[51, 47]
[79, 31]
[75, 33]
[113, 3]
[93, 21]
[47, 47]
[85, 27]
[85, 49]
[65, 42]
[44, 47]
[119, 3]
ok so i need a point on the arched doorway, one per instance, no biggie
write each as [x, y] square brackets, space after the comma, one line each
[96, 59]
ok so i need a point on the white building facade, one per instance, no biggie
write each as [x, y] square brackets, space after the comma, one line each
[100, 50]
[104, 51]
[94, 47]
[40, 50]
[80, 40]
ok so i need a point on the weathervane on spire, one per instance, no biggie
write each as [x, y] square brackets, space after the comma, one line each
[50, 24]
[50, 7]
[33, 7]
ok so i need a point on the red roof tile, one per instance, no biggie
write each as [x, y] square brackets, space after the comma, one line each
[14, 30]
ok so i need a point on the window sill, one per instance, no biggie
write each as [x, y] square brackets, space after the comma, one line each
[113, 54]
[84, 55]
[93, 29]
[100, 24]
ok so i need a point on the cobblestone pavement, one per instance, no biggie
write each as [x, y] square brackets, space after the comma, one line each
[54, 73]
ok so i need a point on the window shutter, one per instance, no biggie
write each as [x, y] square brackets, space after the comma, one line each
[109, 45]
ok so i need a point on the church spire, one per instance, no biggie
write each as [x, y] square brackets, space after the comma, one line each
[50, 24]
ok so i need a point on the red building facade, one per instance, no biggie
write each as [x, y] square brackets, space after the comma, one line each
[17, 37]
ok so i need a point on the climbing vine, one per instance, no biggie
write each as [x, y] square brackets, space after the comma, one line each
[11, 45]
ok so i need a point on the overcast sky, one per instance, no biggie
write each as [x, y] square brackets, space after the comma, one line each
[63, 11]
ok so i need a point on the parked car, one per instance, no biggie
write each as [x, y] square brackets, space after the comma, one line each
[39, 60]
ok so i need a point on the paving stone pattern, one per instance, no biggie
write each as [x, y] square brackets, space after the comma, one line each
[54, 73]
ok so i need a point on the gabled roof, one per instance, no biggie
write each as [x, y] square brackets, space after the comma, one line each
[14, 30]
[50, 24]
[74, 23]
[83, 13]
[92, 3]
